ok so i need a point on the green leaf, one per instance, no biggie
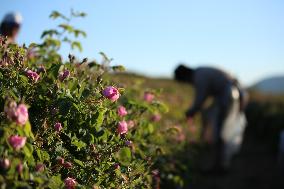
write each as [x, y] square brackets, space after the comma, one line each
[79, 162]
[124, 156]
[76, 44]
[55, 182]
[78, 143]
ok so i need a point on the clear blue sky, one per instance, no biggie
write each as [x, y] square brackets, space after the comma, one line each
[245, 37]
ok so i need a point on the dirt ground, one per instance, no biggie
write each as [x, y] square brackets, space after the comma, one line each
[255, 167]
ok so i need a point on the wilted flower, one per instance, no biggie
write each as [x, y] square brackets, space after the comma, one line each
[68, 165]
[70, 183]
[32, 75]
[39, 167]
[130, 124]
[111, 93]
[122, 127]
[63, 75]
[58, 127]
[149, 97]
[5, 163]
[156, 117]
[17, 142]
[20, 168]
[41, 69]
[60, 160]
[121, 111]
[22, 114]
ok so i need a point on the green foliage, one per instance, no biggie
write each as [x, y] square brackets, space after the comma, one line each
[70, 93]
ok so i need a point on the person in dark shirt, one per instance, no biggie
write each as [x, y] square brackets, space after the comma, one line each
[10, 26]
[215, 83]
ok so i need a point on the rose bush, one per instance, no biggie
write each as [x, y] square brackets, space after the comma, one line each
[64, 126]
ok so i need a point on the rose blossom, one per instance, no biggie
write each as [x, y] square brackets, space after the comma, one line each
[70, 183]
[58, 127]
[122, 127]
[17, 142]
[22, 114]
[149, 97]
[121, 111]
[19, 113]
[63, 75]
[111, 93]
[32, 75]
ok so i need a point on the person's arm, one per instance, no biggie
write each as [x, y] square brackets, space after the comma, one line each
[200, 96]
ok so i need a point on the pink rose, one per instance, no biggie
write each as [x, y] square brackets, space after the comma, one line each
[149, 97]
[67, 165]
[70, 183]
[58, 127]
[111, 93]
[17, 142]
[39, 167]
[122, 127]
[121, 111]
[22, 114]
[63, 75]
[156, 117]
[32, 75]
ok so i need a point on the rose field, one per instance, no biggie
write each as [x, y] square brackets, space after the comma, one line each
[71, 123]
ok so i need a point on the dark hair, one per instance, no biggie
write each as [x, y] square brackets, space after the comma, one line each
[184, 74]
[6, 29]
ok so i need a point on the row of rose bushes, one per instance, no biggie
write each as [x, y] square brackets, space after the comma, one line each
[62, 125]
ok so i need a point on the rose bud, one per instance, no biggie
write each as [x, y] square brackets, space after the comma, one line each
[60, 160]
[116, 166]
[17, 142]
[39, 167]
[63, 75]
[156, 117]
[111, 93]
[58, 127]
[20, 168]
[5, 163]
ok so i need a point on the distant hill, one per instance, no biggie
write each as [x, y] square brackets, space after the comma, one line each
[272, 85]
